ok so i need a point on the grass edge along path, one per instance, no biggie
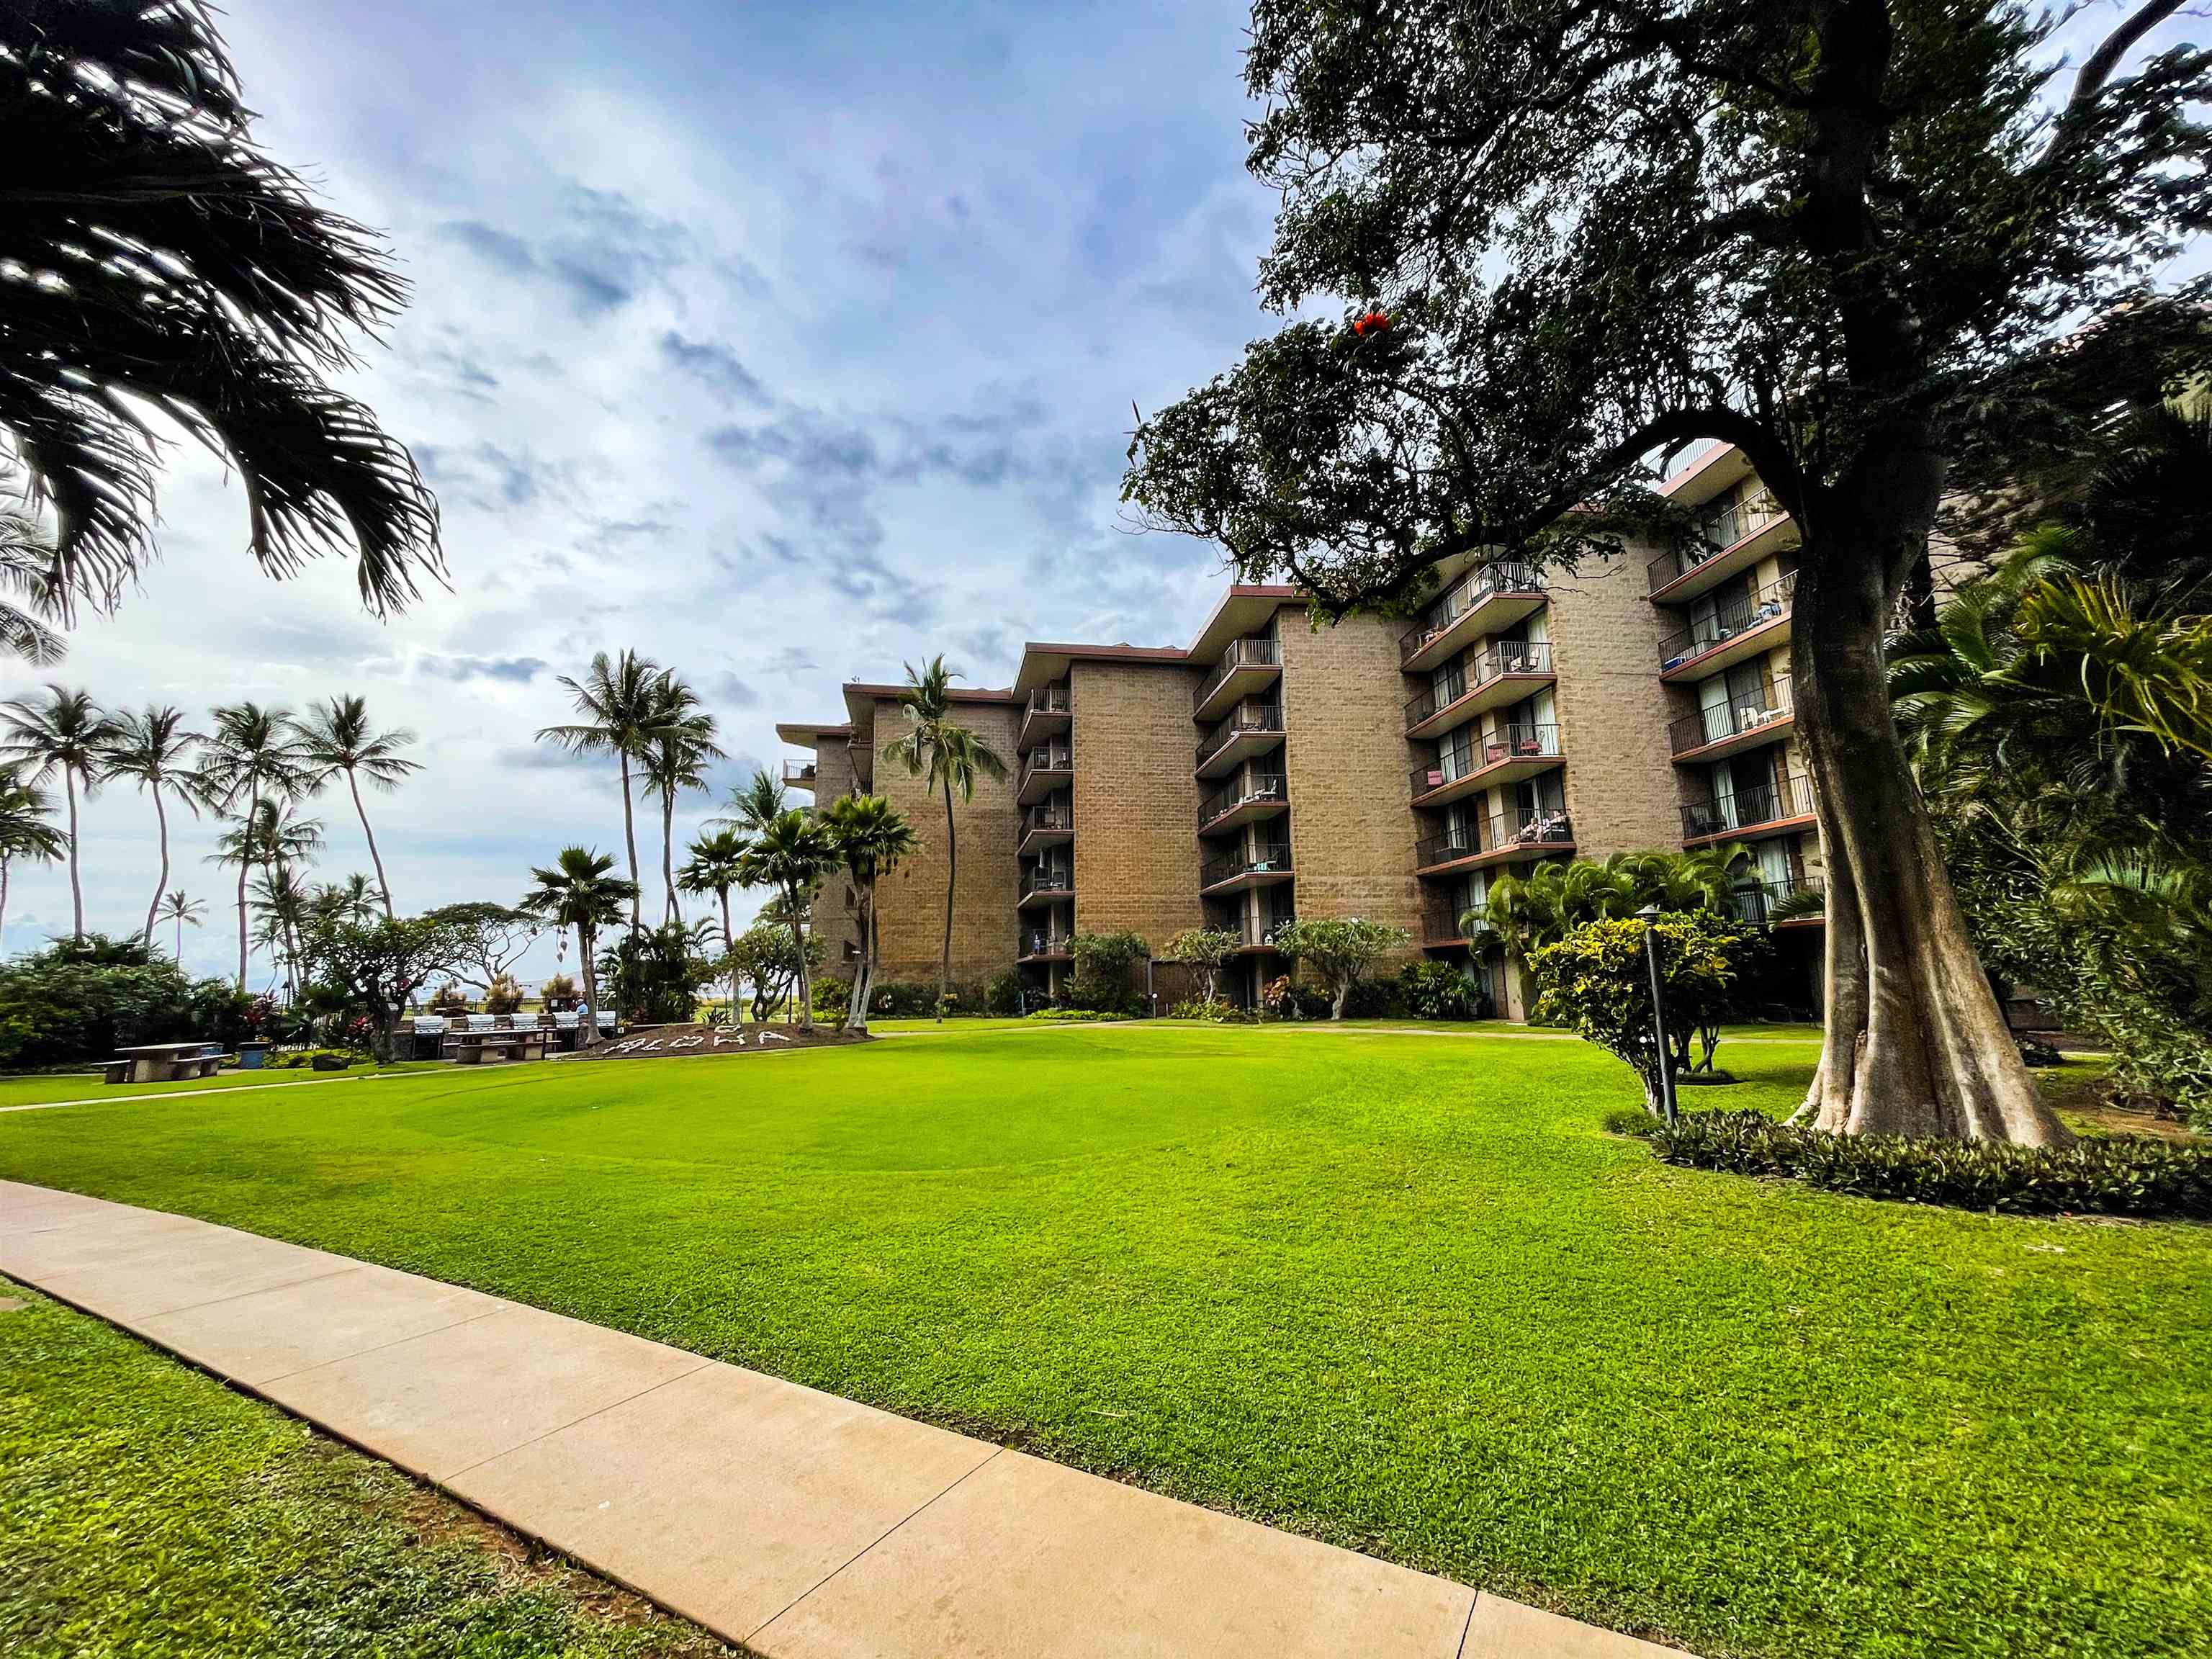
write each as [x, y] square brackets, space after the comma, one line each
[1404, 1296]
[147, 1510]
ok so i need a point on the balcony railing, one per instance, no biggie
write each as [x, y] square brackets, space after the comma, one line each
[1442, 924]
[1242, 654]
[1504, 832]
[1498, 577]
[1051, 878]
[1511, 742]
[1050, 700]
[1267, 858]
[1737, 616]
[1505, 657]
[1054, 757]
[1265, 717]
[1051, 816]
[1259, 932]
[1045, 942]
[1734, 523]
[798, 775]
[1763, 903]
[1260, 787]
[1735, 718]
[1748, 808]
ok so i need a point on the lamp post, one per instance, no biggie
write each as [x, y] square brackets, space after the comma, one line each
[1649, 915]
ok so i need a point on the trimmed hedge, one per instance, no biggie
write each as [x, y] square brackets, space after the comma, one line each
[2131, 1176]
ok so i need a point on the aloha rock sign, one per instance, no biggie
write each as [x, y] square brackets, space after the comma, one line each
[672, 1042]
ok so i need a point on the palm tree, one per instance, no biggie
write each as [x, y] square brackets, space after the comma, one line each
[252, 753]
[335, 737]
[283, 904]
[620, 699]
[176, 907]
[675, 759]
[951, 756]
[579, 892]
[713, 868]
[870, 836]
[271, 842]
[790, 853]
[27, 568]
[150, 747]
[24, 833]
[754, 805]
[66, 734]
[352, 899]
[198, 275]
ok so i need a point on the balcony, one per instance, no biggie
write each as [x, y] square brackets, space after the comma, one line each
[1489, 597]
[1045, 945]
[1259, 796]
[1252, 730]
[1742, 627]
[1764, 809]
[1258, 933]
[1757, 902]
[1444, 927]
[1052, 884]
[1516, 753]
[1736, 539]
[798, 775]
[1049, 824]
[1505, 837]
[1266, 865]
[1727, 728]
[1246, 669]
[1050, 713]
[1044, 770]
[1506, 672]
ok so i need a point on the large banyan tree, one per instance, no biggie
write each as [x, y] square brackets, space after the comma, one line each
[157, 268]
[1846, 235]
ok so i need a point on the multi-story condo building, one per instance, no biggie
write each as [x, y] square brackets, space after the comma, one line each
[1271, 768]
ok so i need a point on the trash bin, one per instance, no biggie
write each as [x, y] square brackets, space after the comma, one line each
[250, 1056]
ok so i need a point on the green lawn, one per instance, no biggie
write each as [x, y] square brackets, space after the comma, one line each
[146, 1510]
[1399, 1292]
[27, 1091]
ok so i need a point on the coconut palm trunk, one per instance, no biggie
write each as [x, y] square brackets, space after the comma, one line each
[76, 887]
[668, 854]
[245, 864]
[375, 858]
[161, 823]
[951, 881]
[3, 907]
[590, 1035]
[629, 841]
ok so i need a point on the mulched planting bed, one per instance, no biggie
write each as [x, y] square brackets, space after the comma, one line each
[667, 1042]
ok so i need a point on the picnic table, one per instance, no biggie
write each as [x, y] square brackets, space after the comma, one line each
[166, 1062]
[469, 1048]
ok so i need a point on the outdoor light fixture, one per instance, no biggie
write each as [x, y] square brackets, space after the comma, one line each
[1650, 913]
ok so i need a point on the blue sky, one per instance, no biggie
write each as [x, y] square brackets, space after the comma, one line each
[783, 344]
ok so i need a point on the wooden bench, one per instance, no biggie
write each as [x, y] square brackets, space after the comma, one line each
[469, 1048]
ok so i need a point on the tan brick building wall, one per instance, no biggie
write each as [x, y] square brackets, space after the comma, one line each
[1623, 790]
[832, 921]
[1136, 798]
[913, 896]
[1345, 758]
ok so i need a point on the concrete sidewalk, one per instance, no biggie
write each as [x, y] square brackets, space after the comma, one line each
[790, 1521]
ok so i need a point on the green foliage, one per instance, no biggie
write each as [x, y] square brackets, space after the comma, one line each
[1075, 1016]
[1341, 952]
[503, 995]
[1437, 990]
[1203, 950]
[1526, 912]
[375, 970]
[766, 957]
[1214, 1011]
[2118, 1176]
[1597, 983]
[1108, 972]
[1284, 998]
[831, 998]
[449, 999]
[558, 995]
[653, 977]
[82, 1000]
[1003, 994]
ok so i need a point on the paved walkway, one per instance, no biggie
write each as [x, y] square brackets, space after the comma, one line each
[793, 1522]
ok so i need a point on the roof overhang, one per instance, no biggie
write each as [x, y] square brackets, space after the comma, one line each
[1043, 663]
[1707, 475]
[802, 734]
[1243, 609]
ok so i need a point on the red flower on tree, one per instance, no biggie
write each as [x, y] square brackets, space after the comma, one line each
[1375, 322]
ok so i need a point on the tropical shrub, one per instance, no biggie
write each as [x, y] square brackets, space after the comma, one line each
[503, 995]
[1215, 1011]
[1108, 968]
[1437, 990]
[831, 998]
[2122, 1175]
[1203, 950]
[1339, 951]
[82, 1000]
[653, 977]
[1074, 1016]
[1003, 994]
[1284, 998]
[449, 999]
[559, 994]
[1595, 982]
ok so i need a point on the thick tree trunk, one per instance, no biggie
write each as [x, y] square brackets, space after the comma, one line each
[1914, 1042]
[589, 1034]
[668, 856]
[863, 972]
[805, 994]
[161, 824]
[244, 863]
[76, 887]
[375, 858]
[951, 880]
[629, 842]
[729, 945]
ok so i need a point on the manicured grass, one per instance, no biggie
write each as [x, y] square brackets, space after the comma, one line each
[88, 1085]
[1399, 1292]
[146, 1510]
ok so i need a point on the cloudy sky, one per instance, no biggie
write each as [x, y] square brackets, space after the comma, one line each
[780, 342]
